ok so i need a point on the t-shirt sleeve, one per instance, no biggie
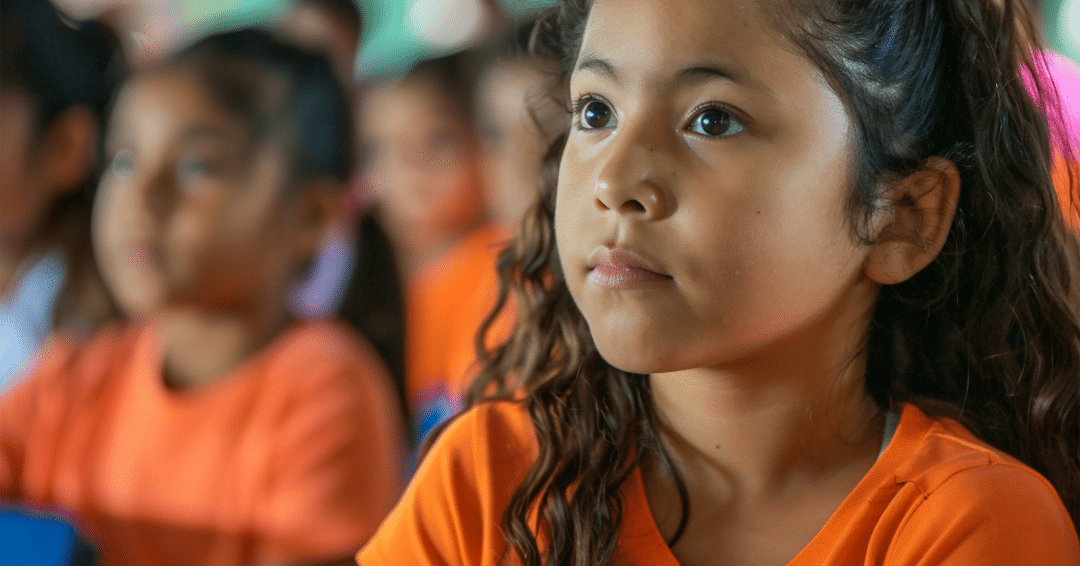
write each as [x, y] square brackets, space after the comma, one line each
[16, 412]
[339, 464]
[31, 406]
[444, 517]
[995, 515]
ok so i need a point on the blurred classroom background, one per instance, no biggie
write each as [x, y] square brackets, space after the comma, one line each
[402, 31]
[398, 33]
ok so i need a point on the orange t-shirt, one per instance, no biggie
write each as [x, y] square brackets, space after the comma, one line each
[1068, 196]
[295, 455]
[936, 496]
[445, 306]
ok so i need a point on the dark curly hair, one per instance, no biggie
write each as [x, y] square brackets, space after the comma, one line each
[283, 92]
[988, 334]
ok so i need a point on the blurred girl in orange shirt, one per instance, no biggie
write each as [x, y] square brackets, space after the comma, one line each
[212, 427]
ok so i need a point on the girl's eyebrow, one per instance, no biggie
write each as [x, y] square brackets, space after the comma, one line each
[598, 66]
[204, 132]
[696, 73]
[712, 71]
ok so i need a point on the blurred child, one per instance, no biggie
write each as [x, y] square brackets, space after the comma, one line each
[518, 121]
[801, 293]
[421, 157]
[55, 80]
[213, 429]
[354, 275]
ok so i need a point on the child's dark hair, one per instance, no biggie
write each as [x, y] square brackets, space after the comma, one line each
[988, 334]
[282, 92]
[57, 62]
[60, 65]
[453, 76]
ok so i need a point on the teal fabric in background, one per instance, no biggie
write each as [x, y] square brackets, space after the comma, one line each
[389, 45]
[1062, 22]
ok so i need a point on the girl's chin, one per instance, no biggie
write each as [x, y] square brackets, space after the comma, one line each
[630, 361]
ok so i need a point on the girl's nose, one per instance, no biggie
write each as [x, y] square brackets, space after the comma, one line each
[644, 201]
[151, 191]
[633, 180]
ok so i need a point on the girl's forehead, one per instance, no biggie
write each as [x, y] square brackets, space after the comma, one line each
[739, 36]
[163, 106]
[415, 106]
[167, 90]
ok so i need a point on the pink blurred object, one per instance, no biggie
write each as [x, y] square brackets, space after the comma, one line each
[1065, 75]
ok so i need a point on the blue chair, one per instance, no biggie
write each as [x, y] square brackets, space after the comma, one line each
[31, 538]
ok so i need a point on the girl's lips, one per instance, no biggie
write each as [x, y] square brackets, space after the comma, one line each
[617, 269]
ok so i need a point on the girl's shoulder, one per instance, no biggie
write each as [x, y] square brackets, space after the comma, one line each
[938, 494]
[493, 434]
[930, 452]
[955, 494]
[74, 361]
[451, 512]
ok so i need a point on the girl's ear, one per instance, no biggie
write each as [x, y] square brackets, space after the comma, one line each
[912, 228]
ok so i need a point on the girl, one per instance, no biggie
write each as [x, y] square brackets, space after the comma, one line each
[517, 123]
[802, 295]
[55, 81]
[354, 276]
[421, 159]
[213, 428]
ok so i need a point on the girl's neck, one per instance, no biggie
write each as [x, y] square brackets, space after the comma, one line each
[761, 438]
[201, 347]
[764, 464]
[775, 420]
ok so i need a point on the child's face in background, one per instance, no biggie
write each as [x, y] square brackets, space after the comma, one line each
[701, 212]
[420, 158]
[511, 98]
[23, 202]
[190, 211]
[39, 166]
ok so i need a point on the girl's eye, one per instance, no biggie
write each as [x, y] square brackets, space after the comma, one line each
[596, 114]
[122, 163]
[714, 122]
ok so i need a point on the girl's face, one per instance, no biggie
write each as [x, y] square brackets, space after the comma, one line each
[24, 201]
[701, 211]
[420, 159]
[513, 143]
[190, 210]
[38, 168]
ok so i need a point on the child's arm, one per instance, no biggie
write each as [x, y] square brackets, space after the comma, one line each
[995, 515]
